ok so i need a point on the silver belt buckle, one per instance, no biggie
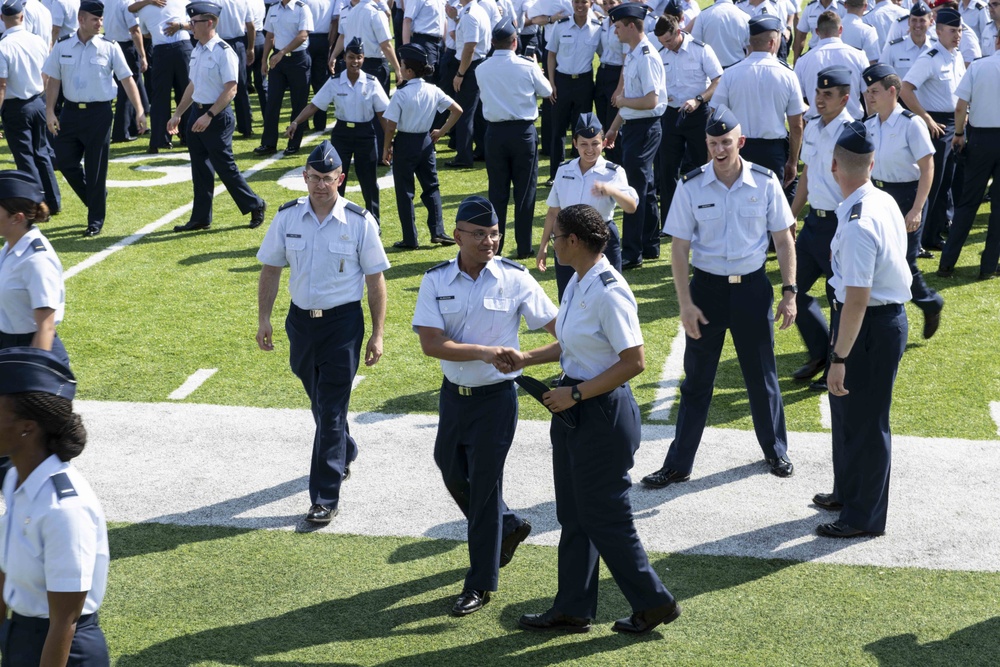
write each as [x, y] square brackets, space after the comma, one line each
[735, 280]
[820, 213]
[464, 391]
[315, 313]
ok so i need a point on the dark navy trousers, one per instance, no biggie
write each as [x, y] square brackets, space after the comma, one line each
[319, 71]
[574, 96]
[862, 442]
[241, 102]
[28, 139]
[291, 74]
[473, 438]
[170, 74]
[212, 153]
[745, 309]
[982, 162]
[683, 143]
[605, 84]
[921, 294]
[939, 199]
[591, 466]
[812, 262]
[770, 153]
[357, 140]
[324, 354]
[432, 44]
[512, 159]
[377, 67]
[641, 230]
[254, 74]
[468, 99]
[613, 251]
[85, 135]
[22, 639]
[124, 127]
[413, 155]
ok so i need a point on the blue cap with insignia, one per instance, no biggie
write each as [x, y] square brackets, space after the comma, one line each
[26, 369]
[920, 9]
[723, 120]
[833, 76]
[196, 8]
[635, 10]
[12, 7]
[95, 7]
[587, 126]
[876, 73]
[674, 8]
[949, 17]
[765, 23]
[477, 210]
[504, 29]
[413, 53]
[356, 46]
[20, 185]
[324, 158]
[855, 138]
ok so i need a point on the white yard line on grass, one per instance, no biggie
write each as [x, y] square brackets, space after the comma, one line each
[670, 379]
[825, 420]
[99, 257]
[357, 380]
[995, 413]
[197, 379]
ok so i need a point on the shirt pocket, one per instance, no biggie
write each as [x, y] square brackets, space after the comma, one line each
[711, 225]
[498, 313]
[345, 258]
[453, 313]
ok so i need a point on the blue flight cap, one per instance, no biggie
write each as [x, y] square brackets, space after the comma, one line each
[855, 138]
[24, 369]
[587, 126]
[876, 73]
[948, 16]
[196, 8]
[324, 158]
[504, 29]
[833, 76]
[477, 210]
[95, 7]
[356, 46]
[635, 10]
[920, 9]
[413, 53]
[674, 8]
[12, 7]
[20, 184]
[721, 122]
[764, 23]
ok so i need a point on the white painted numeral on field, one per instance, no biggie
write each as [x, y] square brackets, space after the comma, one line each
[670, 378]
[995, 413]
[825, 420]
[357, 380]
[196, 380]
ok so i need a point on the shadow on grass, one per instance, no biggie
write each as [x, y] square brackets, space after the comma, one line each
[212, 256]
[969, 647]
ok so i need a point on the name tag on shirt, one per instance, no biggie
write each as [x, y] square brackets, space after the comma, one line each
[705, 205]
[446, 298]
[293, 236]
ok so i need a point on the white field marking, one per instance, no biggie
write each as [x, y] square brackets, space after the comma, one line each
[171, 173]
[825, 420]
[197, 379]
[670, 379]
[995, 413]
[292, 180]
[357, 380]
[99, 257]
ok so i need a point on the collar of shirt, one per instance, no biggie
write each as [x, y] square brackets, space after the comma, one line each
[754, 56]
[345, 80]
[24, 242]
[600, 165]
[336, 213]
[844, 208]
[637, 51]
[828, 41]
[581, 286]
[31, 486]
[505, 54]
[746, 178]
[76, 40]
[453, 271]
[14, 28]
[836, 124]
[209, 45]
[893, 118]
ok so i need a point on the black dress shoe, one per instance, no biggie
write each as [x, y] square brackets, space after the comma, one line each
[525, 255]
[634, 264]
[781, 466]
[840, 529]
[818, 385]
[152, 150]
[934, 245]
[470, 602]
[91, 231]
[455, 164]
[289, 151]
[986, 276]
[549, 183]
[664, 477]
[923, 253]
[404, 245]
[247, 135]
[809, 369]
[265, 150]
[827, 501]
[553, 621]
[443, 239]
[257, 215]
[651, 255]
[510, 543]
[642, 622]
[321, 514]
[945, 271]
[347, 473]
[931, 323]
[192, 226]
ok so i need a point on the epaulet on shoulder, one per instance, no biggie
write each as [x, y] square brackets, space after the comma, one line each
[64, 38]
[105, 38]
[290, 204]
[438, 266]
[761, 170]
[645, 50]
[528, 58]
[64, 487]
[783, 62]
[510, 262]
[371, 77]
[903, 18]
[980, 6]
[694, 173]
[811, 2]
[563, 20]
[354, 208]
[868, 118]
[223, 44]
[299, 3]
[855, 211]
[564, 163]
[909, 114]
[596, 21]
[896, 41]
[932, 52]
[37, 246]
[612, 166]
[398, 85]
[695, 41]
[608, 278]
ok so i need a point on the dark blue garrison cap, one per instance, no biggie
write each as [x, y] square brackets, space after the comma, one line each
[95, 7]
[920, 9]
[413, 52]
[21, 185]
[587, 126]
[24, 369]
[833, 76]
[674, 8]
[504, 29]
[635, 10]
[12, 7]
[855, 138]
[196, 8]
[356, 46]
[324, 158]
[764, 23]
[876, 73]
[948, 16]
[477, 210]
[722, 121]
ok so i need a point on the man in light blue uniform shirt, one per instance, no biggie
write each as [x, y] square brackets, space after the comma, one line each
[722, 215]
[287, 29]
[725, 28]
[122, 26]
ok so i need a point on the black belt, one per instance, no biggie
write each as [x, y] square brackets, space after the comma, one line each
[755, 140]
[85, 619]
[512, 122]
[888, 308]
[644, 119]
[431, 38]
[14, 100]
[886, 184]
[352, 124]
[589, 72]
[820, 213]
[506, 385]
[329, 312]
[85, 105]
[731, 280]
[603, 65]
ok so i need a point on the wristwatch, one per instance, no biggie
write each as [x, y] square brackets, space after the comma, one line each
[701, 100]
[794, 289]
[210, 114]
[836, 358]
[576, 393]
[460, 75]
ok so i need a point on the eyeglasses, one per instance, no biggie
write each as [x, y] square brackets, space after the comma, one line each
[994, 4]
[481, 236]
[313, 179]
[200, 20]
[557, 236]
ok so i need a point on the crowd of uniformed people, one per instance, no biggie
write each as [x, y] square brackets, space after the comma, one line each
[695, 124]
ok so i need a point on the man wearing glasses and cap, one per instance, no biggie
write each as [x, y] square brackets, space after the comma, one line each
[214, 76]
[902, 52]
[872, 282]
[82, 66]
[333, 249]
[469, 309]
